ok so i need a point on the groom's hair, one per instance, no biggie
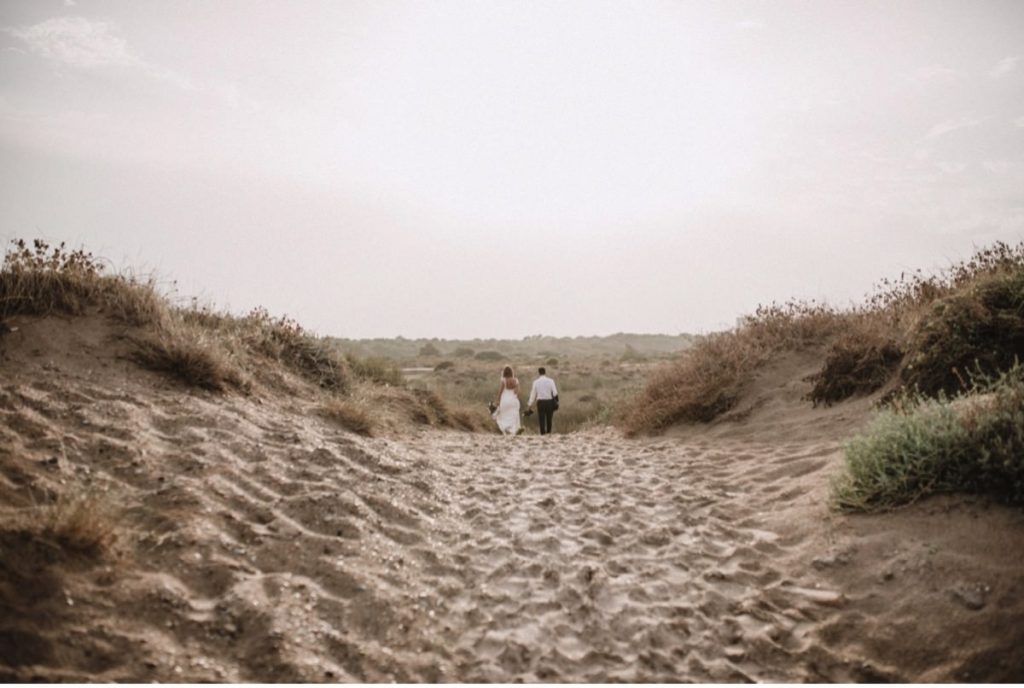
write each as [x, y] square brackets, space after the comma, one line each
[542, 371]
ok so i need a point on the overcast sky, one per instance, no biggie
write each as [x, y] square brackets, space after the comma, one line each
[501, 169]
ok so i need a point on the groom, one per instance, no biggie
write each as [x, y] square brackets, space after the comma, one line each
[544, 394]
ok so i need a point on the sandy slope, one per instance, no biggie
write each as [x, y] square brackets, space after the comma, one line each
[261, 543]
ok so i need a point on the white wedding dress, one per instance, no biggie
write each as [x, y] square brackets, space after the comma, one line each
[507, 413]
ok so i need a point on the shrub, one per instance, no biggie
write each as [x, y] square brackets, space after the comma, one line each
[973, 443]
[444, 365]
[968, 317]
[373, 369]
[348, 416]
[978, 327]
[489, 356]
[429, 349]
[857, 364]
[464, 352]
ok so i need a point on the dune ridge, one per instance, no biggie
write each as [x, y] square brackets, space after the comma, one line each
[258, 541]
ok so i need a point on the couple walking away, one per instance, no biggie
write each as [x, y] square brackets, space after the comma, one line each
[543, 393]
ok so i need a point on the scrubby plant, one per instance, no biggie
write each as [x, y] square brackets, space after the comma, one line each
[347, 415]
[375, 369]
[858, 363]
[81, 525]
[285, 340]
[708, 379]
[972, 443]
[924, 331]
[978, 327]
[429, 349]
[40, 279]
[189, 356]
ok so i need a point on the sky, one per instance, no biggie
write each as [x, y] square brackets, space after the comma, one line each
[504, 169]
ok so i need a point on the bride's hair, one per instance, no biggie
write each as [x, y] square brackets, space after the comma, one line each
[508, 372]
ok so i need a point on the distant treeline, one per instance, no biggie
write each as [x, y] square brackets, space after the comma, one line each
[535, 346]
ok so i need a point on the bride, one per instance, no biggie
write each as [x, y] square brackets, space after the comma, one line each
[507, 413]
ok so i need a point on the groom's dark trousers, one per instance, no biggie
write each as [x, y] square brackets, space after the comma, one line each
[545, 414]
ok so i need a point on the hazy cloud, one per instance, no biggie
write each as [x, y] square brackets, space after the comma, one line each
[1019, 121]
[951, 125]
[751, 25]
[951, 167]
[88, 44]
[78, 42]
[999, 166]
[1005, 66]
[936, 73]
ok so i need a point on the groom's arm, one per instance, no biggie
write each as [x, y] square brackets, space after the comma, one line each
[533, 395]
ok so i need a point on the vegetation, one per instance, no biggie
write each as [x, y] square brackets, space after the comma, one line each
[591, 390]
[39, 280]
[980, 326]
[707, 380]
[348, 416]
[972, 442]
[918, 332]
[534, 348]
[201, 347]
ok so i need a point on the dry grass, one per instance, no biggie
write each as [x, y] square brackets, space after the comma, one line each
[84, 525]
[709, 379]
[190, 356]
[195, 345]
[347, 415]
[929, 331]
[38, 279]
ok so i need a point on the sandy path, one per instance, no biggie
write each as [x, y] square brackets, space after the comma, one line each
[585, 558]
[271, 549]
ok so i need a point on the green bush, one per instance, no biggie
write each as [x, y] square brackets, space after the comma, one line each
[972, 443]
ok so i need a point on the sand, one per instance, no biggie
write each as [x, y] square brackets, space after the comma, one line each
[257, 542]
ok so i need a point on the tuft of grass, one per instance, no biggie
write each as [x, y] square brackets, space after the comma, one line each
[348, 416]
[81, 525]
[284, 340]
[40, 279]
[190, 357]
[973, 443]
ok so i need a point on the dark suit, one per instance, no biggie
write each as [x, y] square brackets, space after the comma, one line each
[545, 414]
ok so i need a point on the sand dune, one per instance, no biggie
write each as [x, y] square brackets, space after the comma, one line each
[259, 542]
